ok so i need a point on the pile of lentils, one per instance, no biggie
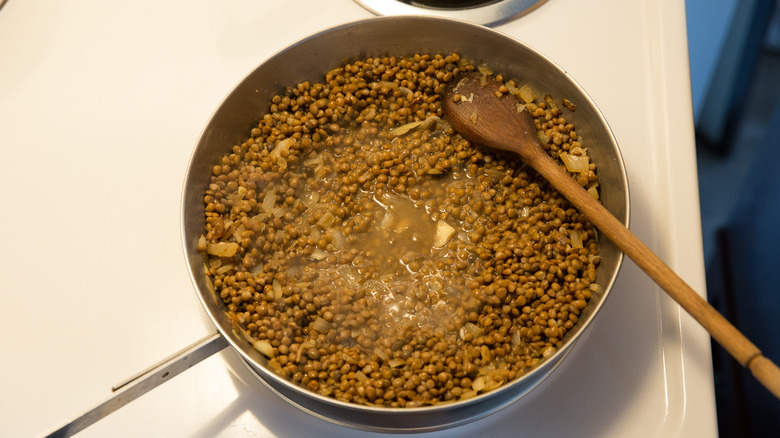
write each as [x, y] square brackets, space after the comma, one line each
[375, 256]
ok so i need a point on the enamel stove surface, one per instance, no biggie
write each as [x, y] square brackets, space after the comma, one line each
[101, 104]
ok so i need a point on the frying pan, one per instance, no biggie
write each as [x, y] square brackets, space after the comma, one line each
[309, 59]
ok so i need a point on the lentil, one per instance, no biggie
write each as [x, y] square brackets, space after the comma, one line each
[320, 232]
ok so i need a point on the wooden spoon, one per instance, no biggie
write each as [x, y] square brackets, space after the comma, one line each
[478, 113]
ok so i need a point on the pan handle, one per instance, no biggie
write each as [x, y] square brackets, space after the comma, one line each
[143, 382]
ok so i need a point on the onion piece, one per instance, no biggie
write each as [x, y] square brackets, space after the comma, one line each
[381, 354]
[311, 200]
[444, 232]
[282, 146]
[318, 254]
[576, 238]
[403, 129]
[388, 84]
[279, 211]
[277, 288]
[593, 191]
[222, 249]
[479, 383]
[395, 363]
[550, 102]
[268, 202]
[543, 137]
[313, 162]
[526, 94]
[327, 220]
[575, 163]
[596, 288]
[257, 269]
[469, 329]
[202, 243]
[264, 347]
[339, 240]
[321, 325]
[484, 69]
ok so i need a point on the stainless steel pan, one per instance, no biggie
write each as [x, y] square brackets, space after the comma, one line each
[309, 59]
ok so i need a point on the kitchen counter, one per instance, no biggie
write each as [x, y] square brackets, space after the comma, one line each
[101, 104]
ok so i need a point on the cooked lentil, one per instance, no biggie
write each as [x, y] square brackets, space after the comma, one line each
[377, 257]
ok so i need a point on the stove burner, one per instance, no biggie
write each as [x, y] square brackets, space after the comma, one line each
[449, 4]
[487, 12]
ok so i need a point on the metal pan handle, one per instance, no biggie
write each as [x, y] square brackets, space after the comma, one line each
[143, 382]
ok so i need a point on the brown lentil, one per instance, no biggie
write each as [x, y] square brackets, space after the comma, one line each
[322, 234]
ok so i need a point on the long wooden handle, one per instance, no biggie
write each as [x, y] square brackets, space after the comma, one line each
[747, 354]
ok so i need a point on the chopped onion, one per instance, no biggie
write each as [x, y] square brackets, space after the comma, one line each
[238, 233]
[222, 249]
[444, 232]
[484, 69]
[468, 394]
[575, 163]
[430, 122]
[596, 288]
[550, 102]
[327, 220]
[387, 221]
[517, 338]
[594, 192]
[361, 376]
[473, 117]
[313, 162]
[576, 238]
[264, 347]
[388, 84]
[381, 354]
[277, 288]
[258, 218]
[268, 202]
[202, 243]
[311, 199]
[403, 129]
[469, 329]
[318, 254]
[257, 269]
[479, 383]
[339, 240]
[543, 137]
[282, 146]
[279, 211]
[321, 325]
[395, 363]
[526, 94]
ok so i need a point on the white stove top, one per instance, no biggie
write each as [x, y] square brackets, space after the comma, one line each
[101, 104]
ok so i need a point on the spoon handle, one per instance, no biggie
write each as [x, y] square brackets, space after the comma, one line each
[744, 351]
